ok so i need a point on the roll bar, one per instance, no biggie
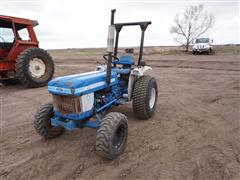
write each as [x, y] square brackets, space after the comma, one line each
[118, 27]
[143, 25]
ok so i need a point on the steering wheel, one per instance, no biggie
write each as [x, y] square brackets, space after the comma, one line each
[116, 59]
[3, 42]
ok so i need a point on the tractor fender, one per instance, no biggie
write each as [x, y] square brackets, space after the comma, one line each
[135, 74]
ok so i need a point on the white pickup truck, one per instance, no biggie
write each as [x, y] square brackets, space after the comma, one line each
[202, 45]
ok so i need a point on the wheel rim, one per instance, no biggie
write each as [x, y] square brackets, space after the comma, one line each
[119, 137]
[152, 98]
[37, 68]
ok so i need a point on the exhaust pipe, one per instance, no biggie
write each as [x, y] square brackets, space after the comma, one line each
[110, 46]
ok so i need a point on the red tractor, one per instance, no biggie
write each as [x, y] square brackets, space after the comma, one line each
[20, 55]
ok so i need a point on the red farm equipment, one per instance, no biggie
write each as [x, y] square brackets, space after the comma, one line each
[20, 56]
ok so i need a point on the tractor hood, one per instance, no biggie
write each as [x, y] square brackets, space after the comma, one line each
[79, 84]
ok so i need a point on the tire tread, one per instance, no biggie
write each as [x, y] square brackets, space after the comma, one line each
[140, 97]
[105, 133]
[20, 67]
[40, 121]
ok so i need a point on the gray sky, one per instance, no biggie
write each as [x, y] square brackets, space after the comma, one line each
[75, 23]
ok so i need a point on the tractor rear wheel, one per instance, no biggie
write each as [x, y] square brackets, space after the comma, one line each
[34, 67]
[112, 135]
[145, 94]
[42, 122]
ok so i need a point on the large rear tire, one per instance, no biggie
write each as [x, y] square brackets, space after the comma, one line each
[145, 95]
[42, 122]
[112, 135]
[34, 67]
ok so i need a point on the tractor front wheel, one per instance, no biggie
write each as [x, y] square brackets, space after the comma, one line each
[34, 67]
[112, 135]
[145, 94]
[42, 122]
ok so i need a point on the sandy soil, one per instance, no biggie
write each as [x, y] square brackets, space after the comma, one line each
[194, 134]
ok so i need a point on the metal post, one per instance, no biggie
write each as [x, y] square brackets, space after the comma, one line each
[141, 48]
[109, 63]
[109, 68]
[112, 16]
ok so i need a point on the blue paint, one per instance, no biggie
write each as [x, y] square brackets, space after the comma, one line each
[80, 83]
[125, 60]
[69, 125]
[108, 105]
[91, 124]
[105, 95]
[122, 71]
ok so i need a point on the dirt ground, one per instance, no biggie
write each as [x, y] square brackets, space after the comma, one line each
[194, 134]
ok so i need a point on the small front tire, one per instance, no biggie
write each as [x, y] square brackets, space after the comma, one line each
[112, 135]
[42, 122]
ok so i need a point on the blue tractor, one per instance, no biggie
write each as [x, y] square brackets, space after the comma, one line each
[81, 100]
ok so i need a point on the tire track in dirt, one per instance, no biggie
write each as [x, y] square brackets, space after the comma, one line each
[213, 159]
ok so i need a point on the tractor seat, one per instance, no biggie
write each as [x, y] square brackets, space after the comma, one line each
[125, 60]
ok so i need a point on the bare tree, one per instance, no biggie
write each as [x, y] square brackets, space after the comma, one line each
[193, 23]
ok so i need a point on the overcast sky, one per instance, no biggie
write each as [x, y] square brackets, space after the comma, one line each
[75, 23]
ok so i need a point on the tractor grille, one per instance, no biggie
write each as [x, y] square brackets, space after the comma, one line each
[67, 104]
